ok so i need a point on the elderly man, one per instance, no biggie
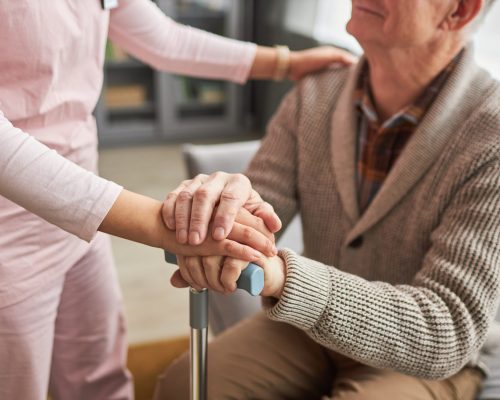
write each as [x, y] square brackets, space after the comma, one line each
[394, 165]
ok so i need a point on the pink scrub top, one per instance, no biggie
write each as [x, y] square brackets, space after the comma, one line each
[51, 73]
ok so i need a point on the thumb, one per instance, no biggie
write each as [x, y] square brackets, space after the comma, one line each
[178, 281]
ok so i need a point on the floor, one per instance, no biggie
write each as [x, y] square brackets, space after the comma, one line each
[155, 310]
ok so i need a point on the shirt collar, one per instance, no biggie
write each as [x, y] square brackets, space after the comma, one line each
[363, 99]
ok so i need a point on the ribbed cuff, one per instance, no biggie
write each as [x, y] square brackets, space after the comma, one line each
[305, 295]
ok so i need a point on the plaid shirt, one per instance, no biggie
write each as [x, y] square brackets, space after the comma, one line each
[379, 145]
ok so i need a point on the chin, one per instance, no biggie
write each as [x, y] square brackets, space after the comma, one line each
[354, 29]
[363, 32]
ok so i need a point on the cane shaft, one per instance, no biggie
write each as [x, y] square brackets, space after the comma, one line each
[198, 364]
[198, 315]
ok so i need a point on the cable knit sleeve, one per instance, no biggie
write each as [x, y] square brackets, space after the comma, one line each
[142, 29]
[430, 328]
[45, 183]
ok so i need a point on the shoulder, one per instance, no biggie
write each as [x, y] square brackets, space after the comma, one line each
[476, 146]
[481, 136]
[324, 86]
[316, 95]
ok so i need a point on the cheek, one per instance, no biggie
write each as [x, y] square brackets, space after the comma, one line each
[407, 31]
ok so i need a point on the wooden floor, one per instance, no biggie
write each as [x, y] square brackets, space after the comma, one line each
[146, 362]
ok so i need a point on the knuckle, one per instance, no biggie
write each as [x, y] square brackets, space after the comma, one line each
[246, 252]
[218, 175]
[231, 267]
[229, 196]
[185, 196]
[180, 215]
[171, 197]
[207, 263]
[247, 234]
[197, 219]
[200, 177]
[191, 263]
[203, 194]
[230, 247]
[269, 246]
[212, 261]
[233, 264]
[242, 178]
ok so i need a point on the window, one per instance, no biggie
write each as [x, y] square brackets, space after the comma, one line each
[332, 16]
[488, 42]
[331, 19]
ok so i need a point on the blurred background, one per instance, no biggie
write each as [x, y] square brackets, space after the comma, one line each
[144, 116]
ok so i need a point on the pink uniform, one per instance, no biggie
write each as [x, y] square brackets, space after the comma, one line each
[51, 70]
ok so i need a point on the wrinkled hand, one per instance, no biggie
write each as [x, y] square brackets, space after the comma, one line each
[248, 240]
[190, 207]
[313, 60]
[221, 273]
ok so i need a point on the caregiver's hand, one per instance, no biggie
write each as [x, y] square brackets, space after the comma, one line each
[138, 218]
[306, 62]
[302, 62]
[189, 209]
[221, 273]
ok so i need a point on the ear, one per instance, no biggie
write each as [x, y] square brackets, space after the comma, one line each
[462, 13]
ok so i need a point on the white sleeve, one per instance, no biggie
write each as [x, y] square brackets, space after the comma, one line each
[143, 30]
[50, 186]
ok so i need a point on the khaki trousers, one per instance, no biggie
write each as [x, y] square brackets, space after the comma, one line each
[261, 359]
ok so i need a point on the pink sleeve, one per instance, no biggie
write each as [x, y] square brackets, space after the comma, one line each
[45, 183]
[143, 30]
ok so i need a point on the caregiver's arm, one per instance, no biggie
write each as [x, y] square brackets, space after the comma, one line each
[78, 201]
[143, 30]
[138, 218]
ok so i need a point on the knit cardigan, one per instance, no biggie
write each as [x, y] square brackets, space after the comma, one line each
[413, 283]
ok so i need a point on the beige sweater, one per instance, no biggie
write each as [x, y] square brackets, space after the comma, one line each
[412, 284]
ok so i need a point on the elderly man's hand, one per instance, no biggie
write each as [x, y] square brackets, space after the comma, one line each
[190, 207]
[221, 273]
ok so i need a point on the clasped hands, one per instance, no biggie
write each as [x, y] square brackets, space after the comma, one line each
[223, 208]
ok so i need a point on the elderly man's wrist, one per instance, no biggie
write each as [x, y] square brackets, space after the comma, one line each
[279, 265]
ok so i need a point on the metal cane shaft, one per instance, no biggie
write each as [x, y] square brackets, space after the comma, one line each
[252, 281]
[198, 315]
[198, 364]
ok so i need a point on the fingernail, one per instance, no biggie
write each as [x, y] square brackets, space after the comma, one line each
[183, 236]
[275, 250]
[194, 238]
[219, 234]
[171, 223]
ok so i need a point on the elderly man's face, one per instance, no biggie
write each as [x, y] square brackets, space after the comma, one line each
[397, 23]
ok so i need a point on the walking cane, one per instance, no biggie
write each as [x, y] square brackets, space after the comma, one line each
[252, 281]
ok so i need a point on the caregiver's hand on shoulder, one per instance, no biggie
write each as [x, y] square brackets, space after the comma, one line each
[189, 209]
[221, 273]
[313, 60]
